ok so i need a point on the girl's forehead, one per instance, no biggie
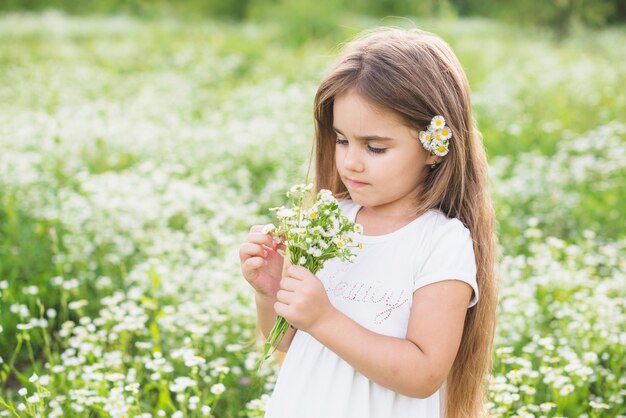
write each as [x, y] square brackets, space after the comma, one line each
[352, 111]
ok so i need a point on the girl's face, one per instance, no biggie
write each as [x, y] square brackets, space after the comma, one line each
[380, 160]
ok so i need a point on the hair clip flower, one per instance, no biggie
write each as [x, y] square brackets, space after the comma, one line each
[436, 138]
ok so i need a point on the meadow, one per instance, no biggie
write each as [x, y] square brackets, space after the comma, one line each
[135, 154]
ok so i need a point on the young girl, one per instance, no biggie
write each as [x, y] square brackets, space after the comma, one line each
[405, 330]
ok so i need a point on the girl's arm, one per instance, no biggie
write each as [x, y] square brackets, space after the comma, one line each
[414, 366]
[266, 316]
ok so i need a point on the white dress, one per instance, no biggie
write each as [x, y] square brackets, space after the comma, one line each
[376, 291]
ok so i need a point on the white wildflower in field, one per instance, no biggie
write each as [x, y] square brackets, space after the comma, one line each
[218, 389]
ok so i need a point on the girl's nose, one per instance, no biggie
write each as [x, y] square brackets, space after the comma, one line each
[352, 159]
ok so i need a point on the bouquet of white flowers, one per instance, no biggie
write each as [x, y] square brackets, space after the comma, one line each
[312, 236]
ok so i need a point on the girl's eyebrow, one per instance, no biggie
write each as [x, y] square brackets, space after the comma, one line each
[367, 137]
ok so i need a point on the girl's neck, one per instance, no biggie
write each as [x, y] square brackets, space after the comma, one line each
[382, 223]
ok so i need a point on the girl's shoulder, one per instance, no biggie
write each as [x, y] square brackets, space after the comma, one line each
[442, 227]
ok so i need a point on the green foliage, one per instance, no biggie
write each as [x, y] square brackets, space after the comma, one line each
[304, 22]
[559, 15]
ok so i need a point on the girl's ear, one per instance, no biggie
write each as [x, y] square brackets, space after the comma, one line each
[431, 159]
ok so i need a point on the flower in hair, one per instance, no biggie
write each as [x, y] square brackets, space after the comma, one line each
[436, 138]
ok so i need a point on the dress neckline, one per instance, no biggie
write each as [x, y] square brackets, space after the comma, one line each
[390, 235]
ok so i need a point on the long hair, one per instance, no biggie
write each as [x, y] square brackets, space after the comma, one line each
[416, 75]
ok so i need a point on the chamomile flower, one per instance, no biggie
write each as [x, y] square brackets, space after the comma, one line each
[437, 122]
[446, 133]
[312, 236]
[567, 389]
[435, 139]
[425, 138]
[269, 228]
[218, 389]
[340, 243]
[439, 148]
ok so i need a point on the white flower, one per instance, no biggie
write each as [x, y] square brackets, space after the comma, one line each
[425, 138]
[22, 392]
[218, 389]
[77, 304]
[340, 243]
[567, 389]
[325, 195]
[132, 387]
[438, 122]
[182, 383]
[590, 357]
[285, 213]
[33, 378]
[302, 261]
[439, 147]
[268, 228]
[206, 410]
[598, 405]
[445, 133]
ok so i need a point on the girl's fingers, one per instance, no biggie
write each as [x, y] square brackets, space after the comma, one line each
[247, 250]
[288, 283]
[284, 296]
[256, 234]
[252, 263]
[260, 238]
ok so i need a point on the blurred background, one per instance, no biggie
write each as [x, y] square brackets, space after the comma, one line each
[139, 140]
[321, 18]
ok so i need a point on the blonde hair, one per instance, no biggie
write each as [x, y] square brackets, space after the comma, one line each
[416, 75]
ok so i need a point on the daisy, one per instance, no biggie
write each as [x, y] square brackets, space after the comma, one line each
[438, 122]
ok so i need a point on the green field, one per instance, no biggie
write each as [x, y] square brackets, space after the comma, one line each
[135, 154]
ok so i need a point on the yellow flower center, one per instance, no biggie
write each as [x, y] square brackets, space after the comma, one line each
[444, 132]
[313, 215]
[441, 149]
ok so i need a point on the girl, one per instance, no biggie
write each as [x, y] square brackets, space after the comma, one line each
[405, 330]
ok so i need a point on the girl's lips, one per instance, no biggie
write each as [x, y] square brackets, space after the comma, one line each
[355, 184]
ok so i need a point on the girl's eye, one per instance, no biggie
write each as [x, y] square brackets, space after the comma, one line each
[371, 149]
[376, 150]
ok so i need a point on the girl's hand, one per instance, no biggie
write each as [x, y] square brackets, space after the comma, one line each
[302, 298]
[261, 264]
